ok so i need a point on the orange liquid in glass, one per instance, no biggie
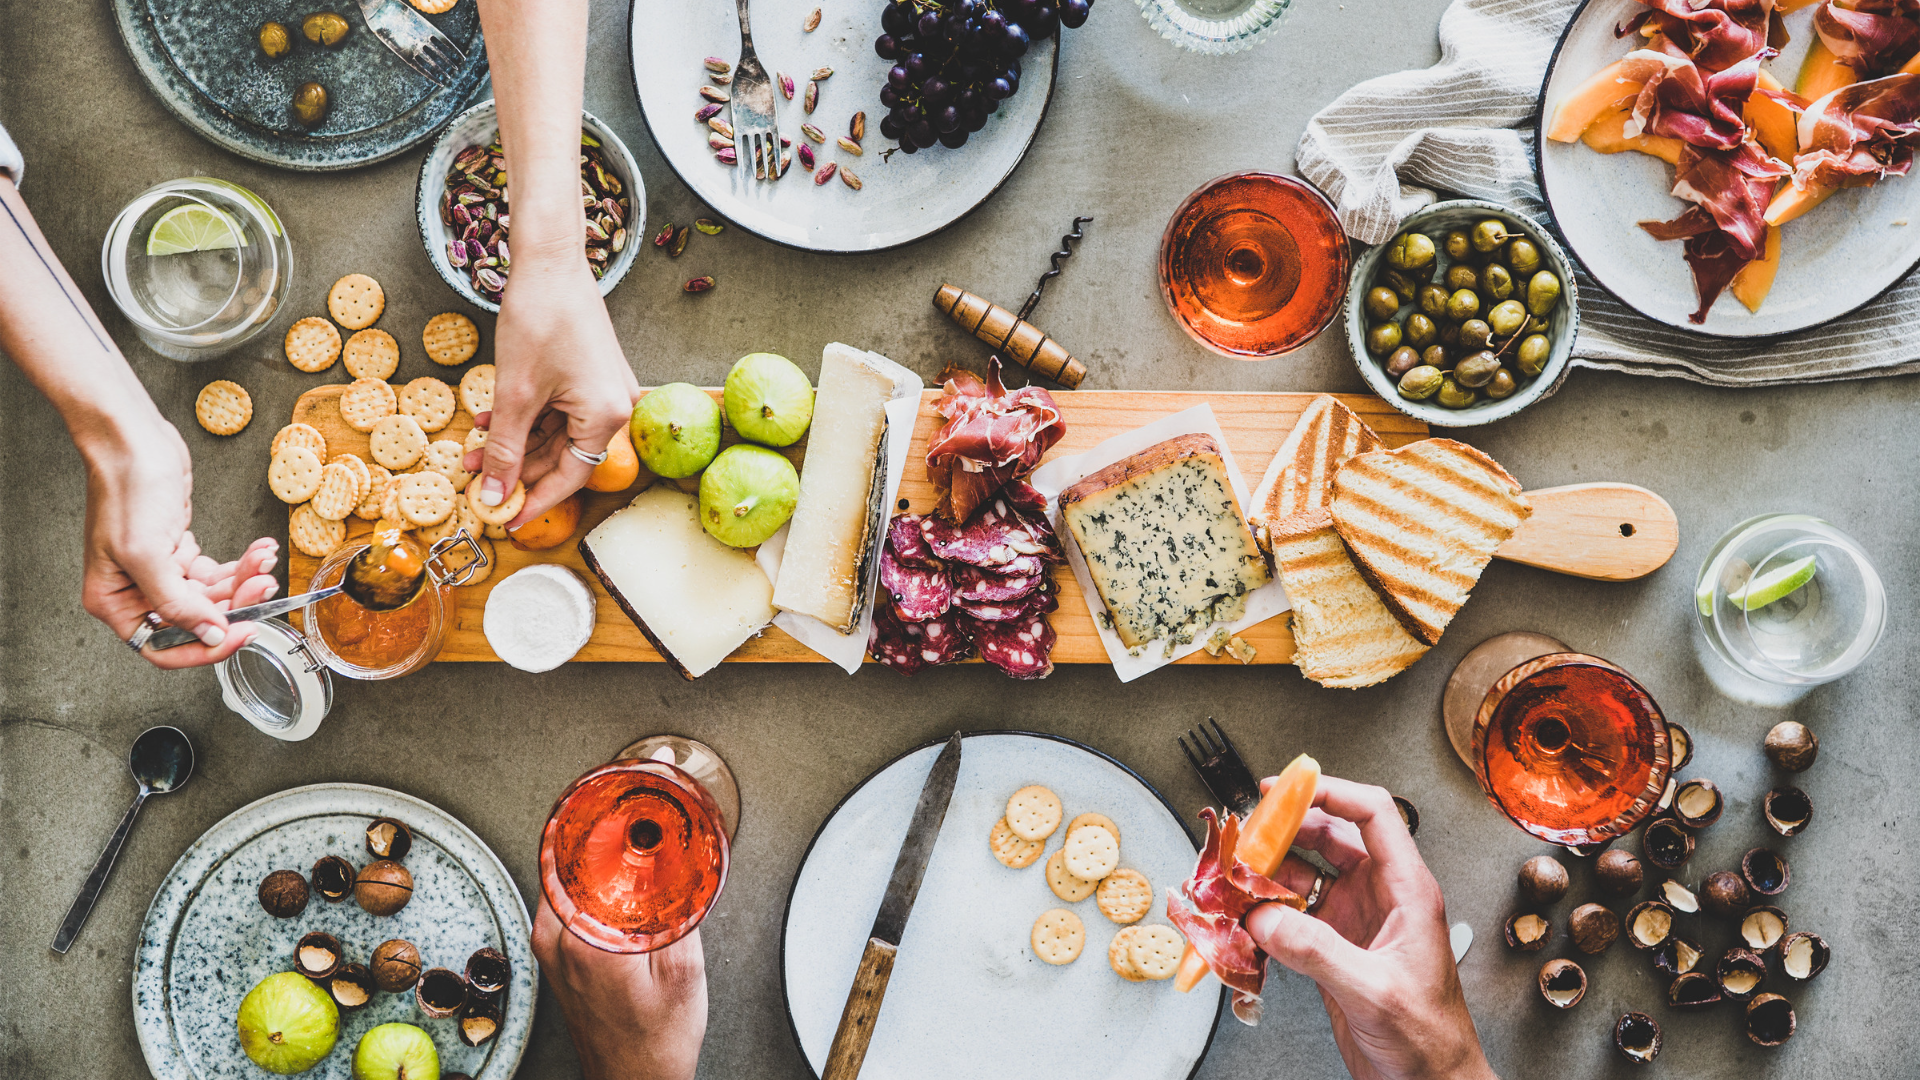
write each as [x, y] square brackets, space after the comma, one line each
[1574, 753]
[1254, 264]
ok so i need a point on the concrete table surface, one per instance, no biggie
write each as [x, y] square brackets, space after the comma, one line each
[1135, 126]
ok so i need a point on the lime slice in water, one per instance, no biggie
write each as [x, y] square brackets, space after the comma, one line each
[1773, 585]
[192, 228]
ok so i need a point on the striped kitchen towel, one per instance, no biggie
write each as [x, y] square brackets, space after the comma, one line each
[1465, 125]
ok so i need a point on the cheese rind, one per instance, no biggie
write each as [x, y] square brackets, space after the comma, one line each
[1165, 542]
[539, 617]
[695, 599]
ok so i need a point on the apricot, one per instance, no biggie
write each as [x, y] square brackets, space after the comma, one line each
[621, 469]
[552, 528]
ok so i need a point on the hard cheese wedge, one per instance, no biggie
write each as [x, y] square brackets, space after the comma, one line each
[832, 548]
[1164, 541]
[695, 599]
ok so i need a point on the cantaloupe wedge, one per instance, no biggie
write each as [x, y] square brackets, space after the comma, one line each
[1751, 284]
[1787, 7]
[1617, 82]
[1792, 202]
[1911, 67]
[1821, 74]
[1605, 135]
[1772, 122]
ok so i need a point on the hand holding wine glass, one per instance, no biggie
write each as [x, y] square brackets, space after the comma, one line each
[633, 1016]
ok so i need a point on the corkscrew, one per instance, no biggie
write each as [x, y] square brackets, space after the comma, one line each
[1009, 332]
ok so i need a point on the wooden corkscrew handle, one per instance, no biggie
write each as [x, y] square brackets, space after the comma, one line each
[1013, 337]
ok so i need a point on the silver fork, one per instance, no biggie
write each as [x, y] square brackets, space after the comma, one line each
[413, 39]
[756, 137]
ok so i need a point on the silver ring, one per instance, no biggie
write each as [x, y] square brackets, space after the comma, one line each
[591, 459]
[1318, 892]
[149, 623]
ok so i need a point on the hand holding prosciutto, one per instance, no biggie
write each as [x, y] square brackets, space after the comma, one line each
[1377, 944]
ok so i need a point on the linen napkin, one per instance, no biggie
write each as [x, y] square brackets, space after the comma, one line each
[1465, 125]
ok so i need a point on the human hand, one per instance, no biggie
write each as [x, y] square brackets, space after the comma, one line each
[560, 377]
[633, 1016]
[1377, 945]
[140, 556]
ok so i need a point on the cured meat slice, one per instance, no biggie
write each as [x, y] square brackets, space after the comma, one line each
[918, 593]
[1726, 227]
[1024, 496]
[1681, 100]
[1210, 909]
[909, 647]
[1023, 648]
[1873, 37]
[973, 583]
[1859, 133]
[903, 536]
[992, 537]
[1039, 600]
[1043, 538]
[1716, 34]
[991, 436]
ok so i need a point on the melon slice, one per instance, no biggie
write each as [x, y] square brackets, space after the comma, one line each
[1617, 82]
[1751, 284]
[1792, 202]
[1607, 135]
[1772, 122]
[1821, 74]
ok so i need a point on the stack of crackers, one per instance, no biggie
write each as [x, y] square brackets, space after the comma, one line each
[1086, 864]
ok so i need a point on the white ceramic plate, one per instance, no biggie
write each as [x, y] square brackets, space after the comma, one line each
[968, 998]
[206, 941]
[1835, 258]
[902, 199]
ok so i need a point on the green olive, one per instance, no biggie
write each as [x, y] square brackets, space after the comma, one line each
[1454, 396]
[1477, 370]
[1435, 356]
[1502, 385]
[1461, 276]
[1433, 301]
[1382, 303]
[1532, 357]
[1474, 334]
[1523, 256]
[1420, 383]
[1458, 245]
[310, 104]
[1489, 235]
[1450, 334]
[1543, 292]
[1420, 331]
[1383, 338]
[324, 28]
[1496, 281]
[1536, 325]
[1464, 304]
[1412, 251]
[1404, 285]
[275, 40]
[1403, 360]
[1507, 317]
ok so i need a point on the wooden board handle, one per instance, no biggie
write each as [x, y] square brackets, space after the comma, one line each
[849, 1049]
[1606, 532]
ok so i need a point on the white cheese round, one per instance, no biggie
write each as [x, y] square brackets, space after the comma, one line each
[539, 617]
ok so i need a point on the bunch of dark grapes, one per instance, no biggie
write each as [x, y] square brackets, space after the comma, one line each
[955, 61]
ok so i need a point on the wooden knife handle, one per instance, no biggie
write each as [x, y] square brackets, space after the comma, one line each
[1606, 532]
[869, 988]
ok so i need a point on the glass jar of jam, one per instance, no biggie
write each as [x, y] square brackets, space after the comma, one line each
[363, 644]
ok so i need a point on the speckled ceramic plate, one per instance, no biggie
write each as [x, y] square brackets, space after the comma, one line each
[1835, 258]
[206, 941]
[202, 60]
[902, 199]
[966, 980]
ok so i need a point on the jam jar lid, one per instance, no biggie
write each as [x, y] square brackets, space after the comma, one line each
[276, 682]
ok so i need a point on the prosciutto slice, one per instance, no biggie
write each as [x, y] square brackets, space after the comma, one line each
[1870, 36]
[1715, 34]
[1210, 909]
[1702, 108]
[991, 436]
[1859, 133]
[1726, 227]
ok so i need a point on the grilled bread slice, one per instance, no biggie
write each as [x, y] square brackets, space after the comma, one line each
[1343, 636]
[1295, 494]
[1422, 522]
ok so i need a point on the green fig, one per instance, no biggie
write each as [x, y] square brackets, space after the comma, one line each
[287, 1024]
[747, 494]
[676, 430]
[396, 1052]
[768, 399]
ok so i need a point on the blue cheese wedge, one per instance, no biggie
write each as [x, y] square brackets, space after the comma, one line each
[1165, 543]
[832, 550]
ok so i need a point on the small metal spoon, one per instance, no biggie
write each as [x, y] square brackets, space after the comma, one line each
[161, 761]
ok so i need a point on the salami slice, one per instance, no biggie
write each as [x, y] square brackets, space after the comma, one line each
[1023, 648]
[909, 647]
[1038, 601]
[973, 583]
[909, 547]
[987, 539]
[1044, 541]
[918, 594]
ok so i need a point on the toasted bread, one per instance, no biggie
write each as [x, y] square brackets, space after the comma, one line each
[1295, 494]
[1422, 522]
[1343, 635]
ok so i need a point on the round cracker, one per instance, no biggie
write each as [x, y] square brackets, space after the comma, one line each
[1034, 812]
[476, 389]
[429, 401]
[314, 535]
[459, 557]
[506, 511]
[372, 354]
[1091, 852]
[294, 474]
[298, 434]
[1155, 951]
[1013, 852]
[450, 339]
[362, 475]
[355, 301]
[223, 407]
[1064, 884]
[461, 518]
[312, 344]
[379, 480]
[494, 532]
[366, 402]
[1117, 955]
[338, 493]
[425, 498]
[397, 442]
[1059, 935]
[1124, 896]
[447, 458]
[1094, 819]
[476, 439]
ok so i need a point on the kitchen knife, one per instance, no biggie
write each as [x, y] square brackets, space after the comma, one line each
[849, 1049]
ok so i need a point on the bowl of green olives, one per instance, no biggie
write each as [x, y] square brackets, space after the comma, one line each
[1466, 316]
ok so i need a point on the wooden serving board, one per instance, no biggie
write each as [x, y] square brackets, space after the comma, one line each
[1254, 423]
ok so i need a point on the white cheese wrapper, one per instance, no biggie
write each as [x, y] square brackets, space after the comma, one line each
[850, 650]
[1060, 474]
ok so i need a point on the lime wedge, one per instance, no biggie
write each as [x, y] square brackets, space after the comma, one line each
[192, 228]
[1773, 585]
[1703, 598]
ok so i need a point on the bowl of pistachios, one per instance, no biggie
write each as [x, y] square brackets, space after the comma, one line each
[1466, 316]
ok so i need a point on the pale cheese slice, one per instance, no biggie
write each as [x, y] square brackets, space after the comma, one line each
[695, 598]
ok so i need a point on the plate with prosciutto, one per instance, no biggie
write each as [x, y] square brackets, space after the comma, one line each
[1738, 168]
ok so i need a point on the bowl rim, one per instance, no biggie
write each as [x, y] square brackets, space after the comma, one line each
[1559, 360]
[427, 218]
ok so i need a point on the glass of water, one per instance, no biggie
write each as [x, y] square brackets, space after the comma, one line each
[198, 265]
[1791, 600]
[1214, 27]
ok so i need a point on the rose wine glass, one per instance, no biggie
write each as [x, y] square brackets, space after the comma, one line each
[635, 852]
